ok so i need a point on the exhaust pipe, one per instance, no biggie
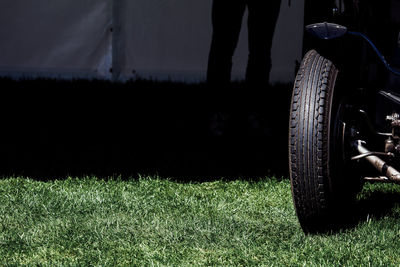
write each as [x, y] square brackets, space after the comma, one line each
[391, 173]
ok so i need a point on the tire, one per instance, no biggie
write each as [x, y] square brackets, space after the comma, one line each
[317, 185]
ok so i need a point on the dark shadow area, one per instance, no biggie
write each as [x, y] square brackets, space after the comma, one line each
[53, 129]
[374, 205]
[377, 205]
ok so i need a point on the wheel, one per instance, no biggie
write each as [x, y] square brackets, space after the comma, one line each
[318, 146]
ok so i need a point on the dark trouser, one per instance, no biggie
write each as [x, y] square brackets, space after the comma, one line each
[227, 18]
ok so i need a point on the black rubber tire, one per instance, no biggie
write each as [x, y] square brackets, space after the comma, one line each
[314, 188]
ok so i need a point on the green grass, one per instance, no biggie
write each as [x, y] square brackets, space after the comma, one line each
[154, 221]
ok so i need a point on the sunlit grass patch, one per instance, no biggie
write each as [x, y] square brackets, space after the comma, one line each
[90, 221]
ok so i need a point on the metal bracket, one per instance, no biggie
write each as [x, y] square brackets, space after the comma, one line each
[367, 154]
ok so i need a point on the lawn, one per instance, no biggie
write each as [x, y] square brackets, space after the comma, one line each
[156, 221]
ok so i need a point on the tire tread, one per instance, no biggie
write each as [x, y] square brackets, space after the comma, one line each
[308, 144]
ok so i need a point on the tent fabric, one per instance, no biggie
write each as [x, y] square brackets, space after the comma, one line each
[129, 39]
[55, 38]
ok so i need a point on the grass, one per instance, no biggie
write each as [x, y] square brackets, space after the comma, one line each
[154, 221]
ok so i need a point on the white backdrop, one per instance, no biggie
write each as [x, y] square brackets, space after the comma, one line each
[128, 39]
[55, 38]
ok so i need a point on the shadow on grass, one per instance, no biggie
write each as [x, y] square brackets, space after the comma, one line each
[374, 205]
[377, 205]
[53, 129]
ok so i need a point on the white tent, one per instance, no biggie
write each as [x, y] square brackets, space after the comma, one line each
[129, 39]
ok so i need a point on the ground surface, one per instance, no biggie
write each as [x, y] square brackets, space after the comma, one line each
[155, 221]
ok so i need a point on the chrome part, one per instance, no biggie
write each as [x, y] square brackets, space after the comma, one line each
[389, 146]
[394, 120]
[393, 117]
[391, 173]
[326, 30]
[382, 179]
[343, 137]
[363, 155]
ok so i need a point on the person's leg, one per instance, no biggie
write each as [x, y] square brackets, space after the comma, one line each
[226, 20]
[261, 25]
